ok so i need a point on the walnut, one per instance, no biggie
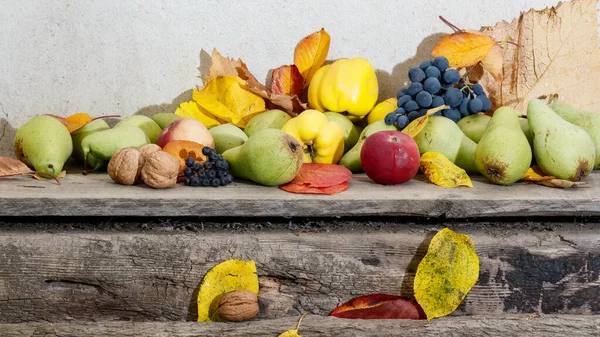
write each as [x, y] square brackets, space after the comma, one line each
[148, 149]
[160, 170]
[238, 306]
[125, 166]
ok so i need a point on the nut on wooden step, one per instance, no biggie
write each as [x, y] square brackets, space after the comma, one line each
[238, 306]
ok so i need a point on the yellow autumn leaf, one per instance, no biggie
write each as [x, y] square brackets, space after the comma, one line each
[227, 276]
[446, 274]
[463, 48]
[227, 99]
[192, 110]
[294, 332]
[418, 124]
[310, 54]
[441, 171]
[536, 175]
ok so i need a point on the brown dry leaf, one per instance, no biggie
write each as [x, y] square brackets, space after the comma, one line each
[560, 183]
[536, 175]
[287, 80]
[222, 66]
[559, 54]
[310, 54]
[441, 171]
[463, 48]
[11, 167]
[493, 62]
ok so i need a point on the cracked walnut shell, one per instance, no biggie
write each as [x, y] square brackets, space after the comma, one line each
[160, 170]
[238, 306]
[125, 166]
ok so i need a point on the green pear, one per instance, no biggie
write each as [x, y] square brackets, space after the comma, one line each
[163, 119]
[44, 143]
[150, 128]
[269, 157]
[270, 119]
[350, 130]
[351, 160]
[78, 135]
[227, 136]
[100, 146]
[526, 131]
[503, 154]
[442, 135]
[561, 149]
[473, 126]
[588, 121]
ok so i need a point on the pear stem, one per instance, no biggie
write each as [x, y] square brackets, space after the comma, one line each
[108, 116]
[300, 321]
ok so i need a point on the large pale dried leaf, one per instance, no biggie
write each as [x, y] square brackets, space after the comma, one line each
[310, 54]
[493, 62]
[559, 54]
[226, 98]
[11, 167]
[287, 80]
[463, 48]
[222, 66]
[446, 274]
[441, 171]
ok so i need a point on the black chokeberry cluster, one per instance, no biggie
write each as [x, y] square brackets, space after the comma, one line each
[213, 172]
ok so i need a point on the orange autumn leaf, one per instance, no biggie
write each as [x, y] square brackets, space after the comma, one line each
[74, 122]
[307, 189]
[379, 306]
[287, 80]
[310, 54]
[321, 175]
[493, 62]
[464, 48]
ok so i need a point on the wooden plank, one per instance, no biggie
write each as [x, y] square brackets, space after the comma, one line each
[73, 275]
[314, 326]
[97, 195]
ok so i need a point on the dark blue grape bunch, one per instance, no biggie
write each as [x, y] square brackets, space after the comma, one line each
[434, 84]
[213, 172]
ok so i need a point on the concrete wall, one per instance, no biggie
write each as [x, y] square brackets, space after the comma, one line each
[126, 57]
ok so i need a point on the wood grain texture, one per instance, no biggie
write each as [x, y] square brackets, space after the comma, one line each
[314, 326]
[97, 195]
[69, 276]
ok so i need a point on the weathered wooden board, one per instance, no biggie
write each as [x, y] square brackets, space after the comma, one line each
[97, 195]
[313, 326]
[71, 275]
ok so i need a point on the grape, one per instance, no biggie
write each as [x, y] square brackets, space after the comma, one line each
[437, 101]
[486, 103]
[390, 118]
[453, 114]
[463, 107]
[432, 85]
[400, 111]
[475, 105]
[413, 115]
[453, 97]
[437, 113]
[411, 106]
[403, 99]
[415, 88]
[401, 92]
[451, 76]
[425, 64]
[441, 62]
[478, 89]
[423, 112]
[432, 71]
[424, 99]
[402, 122]
[189, 162]
[416, 75]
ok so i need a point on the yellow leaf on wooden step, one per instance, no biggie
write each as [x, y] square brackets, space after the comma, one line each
[227, 276]
[441, 171]
[463, 48]
[446, 274]
[294, 332]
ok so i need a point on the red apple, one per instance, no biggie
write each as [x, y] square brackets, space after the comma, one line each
[186, 129]
[390, 157]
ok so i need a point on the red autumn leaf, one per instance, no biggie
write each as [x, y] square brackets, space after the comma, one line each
[287, 80]
[305, 189]
[379, 306]
[321, 175]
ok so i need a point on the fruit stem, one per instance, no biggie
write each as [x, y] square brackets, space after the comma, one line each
[456, 29]
[108, 116]
[300, 321]
[43, 174]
